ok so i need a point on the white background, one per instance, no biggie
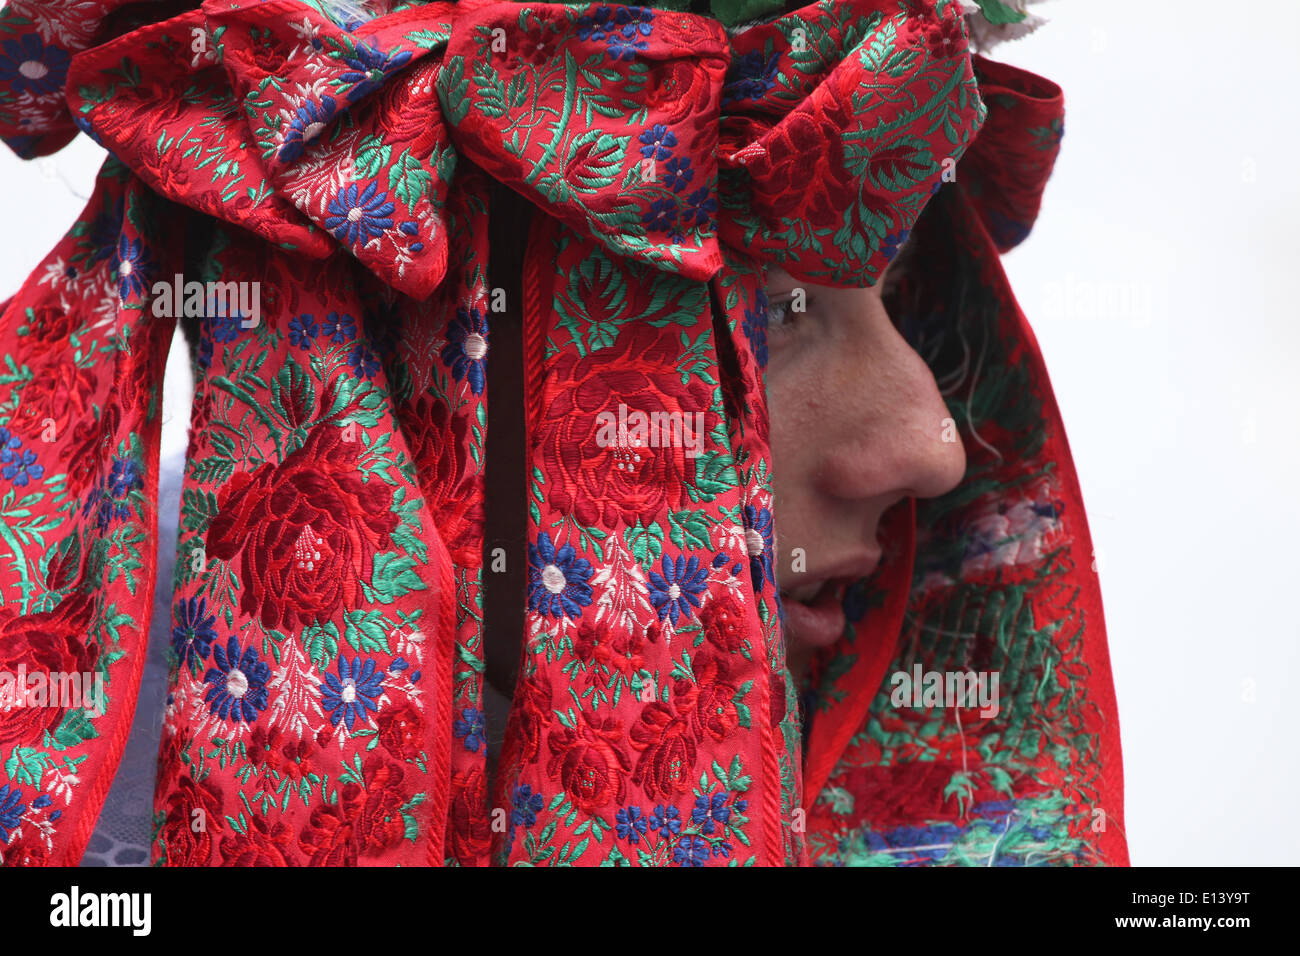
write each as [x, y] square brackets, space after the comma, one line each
[1159, 280]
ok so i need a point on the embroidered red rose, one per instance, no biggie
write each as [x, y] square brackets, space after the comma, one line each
[262, 844]
[714, 712]
[380, 824]
[57, 395]
[25, 853]
[192, 819]
[609, 483]
[91, 445]
[724, 619]
[171, 760]
[48, 644]
[401, 731]
[668, 751]
[468, 825]
[306, 531]
[328, 839]
[438, 442]
[279, 756]
[589, 761]
[529, 717]
[48, 327]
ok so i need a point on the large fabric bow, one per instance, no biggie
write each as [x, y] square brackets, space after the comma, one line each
[327, 647]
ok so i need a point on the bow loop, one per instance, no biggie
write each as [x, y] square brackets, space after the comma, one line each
[541, 97]
[827, 174]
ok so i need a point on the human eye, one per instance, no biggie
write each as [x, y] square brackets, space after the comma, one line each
[783, 309]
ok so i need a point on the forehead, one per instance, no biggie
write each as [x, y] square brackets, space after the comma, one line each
[777, 276]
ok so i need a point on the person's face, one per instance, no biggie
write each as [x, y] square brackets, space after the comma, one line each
[857, 424]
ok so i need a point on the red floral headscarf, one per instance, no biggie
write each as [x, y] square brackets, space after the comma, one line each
[327, 644]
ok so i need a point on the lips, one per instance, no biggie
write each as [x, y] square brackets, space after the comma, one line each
[814, 608]
[817, 619]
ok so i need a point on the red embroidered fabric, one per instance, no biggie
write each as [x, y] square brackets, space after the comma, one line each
[315, 193]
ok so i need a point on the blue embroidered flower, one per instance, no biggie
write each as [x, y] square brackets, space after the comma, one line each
[633, 20]
[358, 215]
[354, 693]
[11, 811]
[599, 26]
[710, 809]
[124, 478]
[525, 805]
[677, 590]
[308, 122]
[751, 77]
[110, 495]
[893, 242]
[700, 205]
[758, 541]
[621, 48]
[666, 820]
[369, 67]
[691, 851]
[204, 357]
[558, 579]
[104, 231]
[632, 824]
[754, 325]
[238, 682]
[363, 361]
[659, 140]
[131, 264]
[470, 727]
[339, 327]
[679, 173]
[194, 632]
[82, 123]
[662, 216]
[467, 347]
[222, 328]
[303, 331]
[19, 464]
[29, 66]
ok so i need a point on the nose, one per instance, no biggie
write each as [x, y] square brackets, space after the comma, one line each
[896, 436]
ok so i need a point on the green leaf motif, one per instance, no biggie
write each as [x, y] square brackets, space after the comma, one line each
[393, 577]
[594, 160]
[408, 179]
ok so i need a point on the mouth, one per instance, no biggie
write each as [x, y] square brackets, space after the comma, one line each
[815, 612]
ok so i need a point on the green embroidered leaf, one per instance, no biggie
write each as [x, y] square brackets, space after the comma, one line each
[646, 544]
[73, 729]
[882, 45]
[594, 160]
[26, 766]
[366, 631]
[689, 529]
[372, 156]
[322, 643]
[995, 11]
[393, 577]
[408, 179]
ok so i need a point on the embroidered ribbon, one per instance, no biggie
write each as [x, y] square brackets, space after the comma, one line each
[327, 649]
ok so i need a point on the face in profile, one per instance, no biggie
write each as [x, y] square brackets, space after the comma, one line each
[857, 424]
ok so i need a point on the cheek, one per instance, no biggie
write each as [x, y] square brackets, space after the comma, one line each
[801, 406]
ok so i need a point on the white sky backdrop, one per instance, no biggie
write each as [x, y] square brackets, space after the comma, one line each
[1159, 280]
